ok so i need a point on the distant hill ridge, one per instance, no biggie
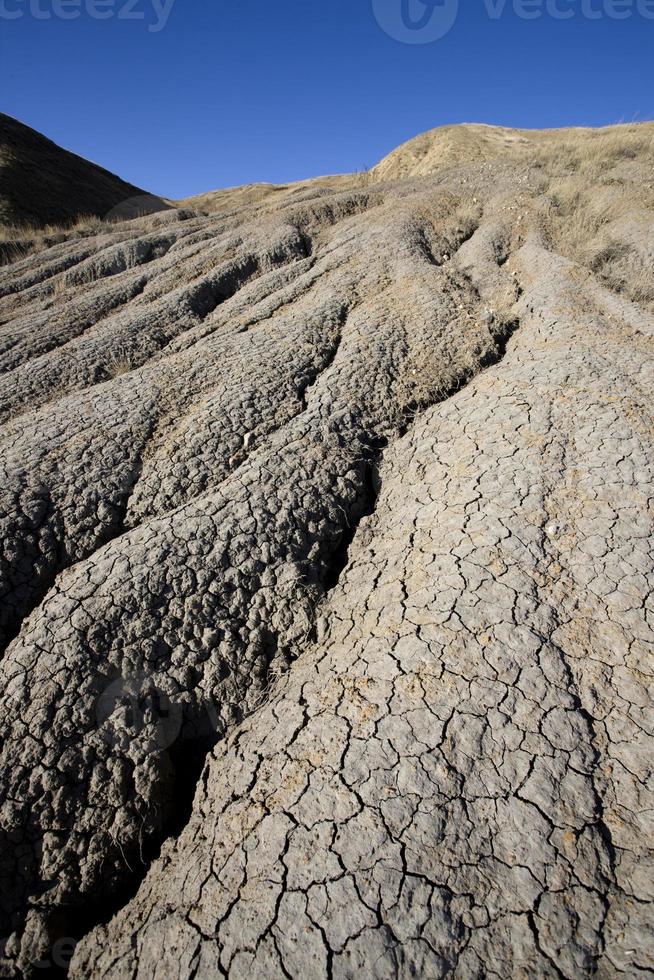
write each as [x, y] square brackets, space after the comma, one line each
[43, 184]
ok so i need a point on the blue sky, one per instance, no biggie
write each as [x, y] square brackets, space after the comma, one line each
[233, 91]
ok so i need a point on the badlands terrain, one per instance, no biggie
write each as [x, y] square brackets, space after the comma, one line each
[326, 569]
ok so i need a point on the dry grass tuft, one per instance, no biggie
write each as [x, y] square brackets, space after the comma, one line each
[121, 361]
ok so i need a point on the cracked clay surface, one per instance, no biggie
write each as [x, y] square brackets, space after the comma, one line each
[326, 580]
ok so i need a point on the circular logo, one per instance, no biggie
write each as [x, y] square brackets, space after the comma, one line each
[137, 207]
[135, 708]
[416, 21]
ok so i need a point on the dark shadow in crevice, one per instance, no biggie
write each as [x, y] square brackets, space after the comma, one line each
[501, 333]
[340, 556]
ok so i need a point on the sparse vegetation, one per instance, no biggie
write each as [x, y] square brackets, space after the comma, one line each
[286, 447]
[596, 211]
[18, 241]
[119, 363]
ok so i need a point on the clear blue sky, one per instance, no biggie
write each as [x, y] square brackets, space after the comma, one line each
[233, 91]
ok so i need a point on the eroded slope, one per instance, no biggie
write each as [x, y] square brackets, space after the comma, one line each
[392, 443]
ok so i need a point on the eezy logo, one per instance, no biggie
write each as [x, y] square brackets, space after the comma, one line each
[153, 12]
[416, 21]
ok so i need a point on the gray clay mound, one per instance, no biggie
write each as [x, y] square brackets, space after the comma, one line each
[326, 577]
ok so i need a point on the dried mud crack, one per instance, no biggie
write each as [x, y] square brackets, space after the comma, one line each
[326, 578]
